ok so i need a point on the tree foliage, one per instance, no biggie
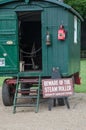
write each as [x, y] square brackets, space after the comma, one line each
[79, 5]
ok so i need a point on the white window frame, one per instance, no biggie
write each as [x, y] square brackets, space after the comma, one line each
[75, 30]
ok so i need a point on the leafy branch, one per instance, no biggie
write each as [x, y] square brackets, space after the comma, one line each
[79, 5]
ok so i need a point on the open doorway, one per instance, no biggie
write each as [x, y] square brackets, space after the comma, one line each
[30, 45]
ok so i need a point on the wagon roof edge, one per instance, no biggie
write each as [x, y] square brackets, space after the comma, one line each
[65, 6]
[50, 1]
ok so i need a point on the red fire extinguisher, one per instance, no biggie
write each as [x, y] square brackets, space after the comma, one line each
[61, 33]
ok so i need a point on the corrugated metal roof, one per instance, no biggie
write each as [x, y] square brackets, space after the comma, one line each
[56, 2]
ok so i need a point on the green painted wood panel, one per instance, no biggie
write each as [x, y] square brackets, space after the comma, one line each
[73, 48]
[62, 54]
[8, 42]
[55, 55]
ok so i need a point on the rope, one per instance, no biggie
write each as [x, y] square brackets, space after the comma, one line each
[31, 52]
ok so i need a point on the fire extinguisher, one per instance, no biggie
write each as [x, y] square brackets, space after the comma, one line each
[61, 33]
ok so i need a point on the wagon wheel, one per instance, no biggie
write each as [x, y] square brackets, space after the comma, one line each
[7, 94]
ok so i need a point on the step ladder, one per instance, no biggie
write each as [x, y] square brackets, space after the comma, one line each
[32, 93]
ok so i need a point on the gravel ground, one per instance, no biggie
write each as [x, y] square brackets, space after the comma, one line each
[59, 118]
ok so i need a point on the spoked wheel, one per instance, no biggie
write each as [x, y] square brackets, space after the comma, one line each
[7, 94]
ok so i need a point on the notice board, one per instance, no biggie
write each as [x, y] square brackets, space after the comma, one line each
[57, 87]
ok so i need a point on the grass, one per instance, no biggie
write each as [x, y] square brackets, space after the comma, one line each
[78, 88]
[1, 80]
[82, 87]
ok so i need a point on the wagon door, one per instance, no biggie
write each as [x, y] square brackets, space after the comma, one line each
[8, 42]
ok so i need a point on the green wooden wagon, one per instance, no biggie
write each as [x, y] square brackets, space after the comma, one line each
[29, 43]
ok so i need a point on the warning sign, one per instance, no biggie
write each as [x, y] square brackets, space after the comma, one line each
[57, 87]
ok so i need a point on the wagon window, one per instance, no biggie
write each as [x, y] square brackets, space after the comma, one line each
[75, 29]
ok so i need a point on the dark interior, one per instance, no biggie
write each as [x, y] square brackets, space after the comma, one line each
[30, 40]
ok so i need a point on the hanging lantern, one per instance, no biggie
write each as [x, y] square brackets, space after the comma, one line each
[48, 41]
